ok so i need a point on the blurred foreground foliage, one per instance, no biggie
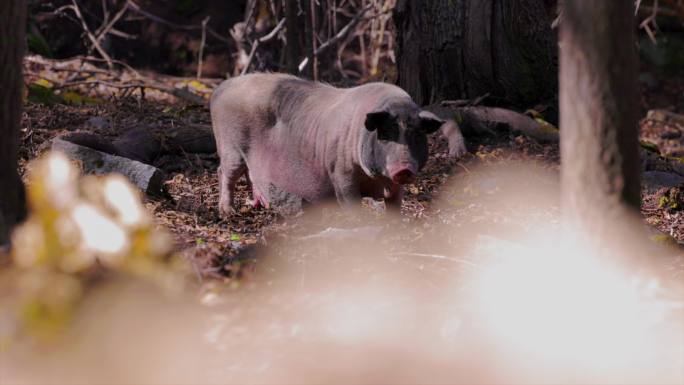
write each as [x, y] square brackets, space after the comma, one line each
[81, 231]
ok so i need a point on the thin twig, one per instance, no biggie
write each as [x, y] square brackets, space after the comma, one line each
[123, 64]
[262, 40]
[74, 7]
[122, 35]
[465, 102]
[202, 42]
[340, 35]
[651, 20]
[477, 101]
[107, 28]
[135, 7]
[251, 11]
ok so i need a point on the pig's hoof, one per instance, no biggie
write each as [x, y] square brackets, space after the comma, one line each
[226, 211]
[256, 203]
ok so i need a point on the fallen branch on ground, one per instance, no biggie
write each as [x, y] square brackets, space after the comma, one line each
[177, 92]
[479, 120]
[147, 178]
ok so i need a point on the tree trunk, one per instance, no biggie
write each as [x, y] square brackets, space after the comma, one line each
[599, 111]
[12, 22]
[463, 49]
[293, 50]
[311, 69]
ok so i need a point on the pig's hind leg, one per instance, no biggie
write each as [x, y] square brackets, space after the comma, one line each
[231, 169]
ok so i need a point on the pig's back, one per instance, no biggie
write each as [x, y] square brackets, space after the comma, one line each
[282, 124]
[246, 94]
[262, 98]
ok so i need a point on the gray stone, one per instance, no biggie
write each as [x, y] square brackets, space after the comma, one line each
[286, 204]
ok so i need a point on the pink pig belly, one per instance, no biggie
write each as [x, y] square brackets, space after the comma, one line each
[287, 171]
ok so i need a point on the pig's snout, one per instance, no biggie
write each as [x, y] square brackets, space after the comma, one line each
[403, 174]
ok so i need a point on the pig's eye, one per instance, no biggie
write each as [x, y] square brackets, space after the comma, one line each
[389, 132]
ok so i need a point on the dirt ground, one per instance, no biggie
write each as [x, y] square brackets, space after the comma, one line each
[213, 243]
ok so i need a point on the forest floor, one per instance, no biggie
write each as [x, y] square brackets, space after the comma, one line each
[482, 190]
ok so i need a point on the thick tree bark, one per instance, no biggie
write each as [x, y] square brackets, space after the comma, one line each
[293, 50]
[599, 111]
[311, 70]
[12, 22]
[462, 49]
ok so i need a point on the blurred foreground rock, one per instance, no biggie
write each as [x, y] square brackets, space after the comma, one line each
[286, 204]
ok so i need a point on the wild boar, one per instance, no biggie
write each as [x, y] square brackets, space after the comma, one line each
[316, 141]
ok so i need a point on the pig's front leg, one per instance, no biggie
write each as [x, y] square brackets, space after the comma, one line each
[457, 147]
[347, 190]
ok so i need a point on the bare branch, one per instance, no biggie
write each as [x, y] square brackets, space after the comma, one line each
[651, 20]
[262, 40]
[96, 45]
[135, 7]
[201, 50]
[340, 35]
[104, 30]
[123, 64]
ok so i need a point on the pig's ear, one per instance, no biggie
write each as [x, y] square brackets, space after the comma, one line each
[377, 119]
[429, 122]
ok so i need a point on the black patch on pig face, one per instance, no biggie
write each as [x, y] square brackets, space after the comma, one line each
[397, 138]
[384, 124]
